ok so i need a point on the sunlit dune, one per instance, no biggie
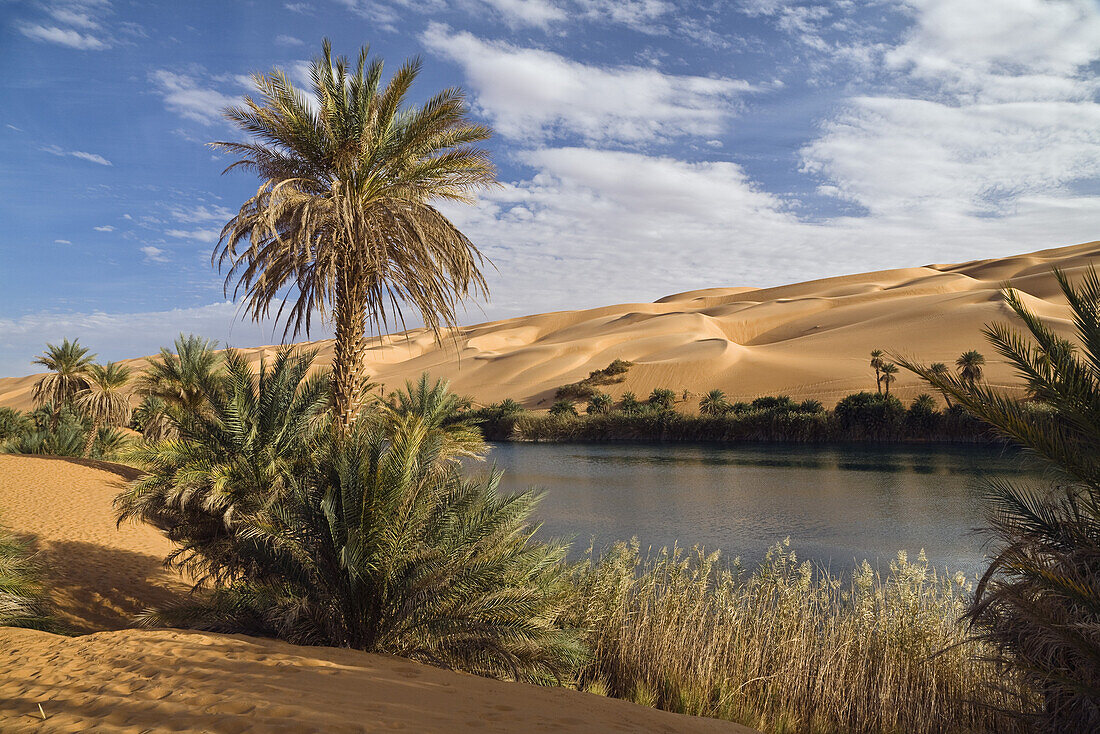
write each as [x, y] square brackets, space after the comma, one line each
[806, 340]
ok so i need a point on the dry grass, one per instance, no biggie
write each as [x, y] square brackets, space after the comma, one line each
[788, 648]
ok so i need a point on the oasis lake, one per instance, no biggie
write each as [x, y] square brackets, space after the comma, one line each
[838, 504]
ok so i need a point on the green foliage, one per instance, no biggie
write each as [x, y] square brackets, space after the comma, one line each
[870, 415]
[442, 413]
[239, 439]
[1038, 604]
[775, 404]
[496, 420]
[563, 407]
[714, 403]
[22, 599]
[629, 403]
[600, 402]
[13, 423]
[586, 389]
[811, 406]
[662, 398]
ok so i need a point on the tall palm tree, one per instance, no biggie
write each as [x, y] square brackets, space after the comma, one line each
[345, 216]
[105, 401]
[1038, 604]
[68, 374]
[876, 362]
[714, 403]
[970, 367]
[889, 371]
[382, 544]
[939, 370]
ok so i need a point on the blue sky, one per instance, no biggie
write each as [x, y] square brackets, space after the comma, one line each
[646, 146]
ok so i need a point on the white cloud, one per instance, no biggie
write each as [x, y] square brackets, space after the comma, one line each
[285, 40]
[64, 37]
[187, 97]
[62, 242]
[104, 228]
[74, 16]
[155, 254]
[538, 13]
[201, 213]
[303, 8]
[90, 157]
[529, 93]
[201, 235]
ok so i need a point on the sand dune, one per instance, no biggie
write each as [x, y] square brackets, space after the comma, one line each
[805, 340]
[171, 680]
[99, 575]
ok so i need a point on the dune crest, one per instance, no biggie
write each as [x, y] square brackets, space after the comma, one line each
[807, 340]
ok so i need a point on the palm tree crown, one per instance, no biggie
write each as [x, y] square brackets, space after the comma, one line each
[889, 371]
[68, 365]
[344, 216]
[106, 400]
[970, 366]
[714, 403]
[876, 363]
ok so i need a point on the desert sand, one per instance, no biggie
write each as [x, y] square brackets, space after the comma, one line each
[171, 680]
[128, 680]
[807, 340]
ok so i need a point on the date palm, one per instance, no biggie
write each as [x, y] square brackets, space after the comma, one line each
[68, 365]
[345, 222]
[970, 365]
[889, 372]
[939, 370]
[174, 383]
[105, 400]
[876, 363]
[714, 403]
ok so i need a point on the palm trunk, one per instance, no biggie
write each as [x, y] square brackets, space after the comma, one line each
[347, 359]
[91, 440]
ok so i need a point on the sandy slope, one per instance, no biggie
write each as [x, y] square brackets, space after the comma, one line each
[100, 576]
[169, 680]
[806, 340]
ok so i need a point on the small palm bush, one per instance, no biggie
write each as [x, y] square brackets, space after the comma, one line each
[239, 438]
[381, 544]
[22, 601]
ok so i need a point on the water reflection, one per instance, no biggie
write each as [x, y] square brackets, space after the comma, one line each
[839, 504]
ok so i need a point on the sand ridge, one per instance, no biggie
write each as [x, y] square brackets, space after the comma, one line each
[173, 680]
[99, 575]
[807, 340]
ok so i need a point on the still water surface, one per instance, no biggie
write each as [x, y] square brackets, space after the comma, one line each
[838, 504]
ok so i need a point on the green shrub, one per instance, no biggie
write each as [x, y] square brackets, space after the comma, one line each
[22, 599]
[869, 415]
[662, 398]
[563, 407]
[13, 423]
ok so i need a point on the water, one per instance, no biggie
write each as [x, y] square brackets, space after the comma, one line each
[839, 504]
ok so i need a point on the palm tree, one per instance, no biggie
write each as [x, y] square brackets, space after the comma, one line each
[714, 403]
[629, 403]
[1038, 604]
[600, 402]
[970, 367]
[662, 398]
[939, 369]
[888, 370]
[68, 365]
[382, 544]
[231, 454]
[440, 410]
[563, 407]
[22, 599]
[105, 401]
[345, 213]
[176, 382]
[876, 362]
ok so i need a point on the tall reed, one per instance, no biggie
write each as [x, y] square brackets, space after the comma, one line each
[788, 648]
